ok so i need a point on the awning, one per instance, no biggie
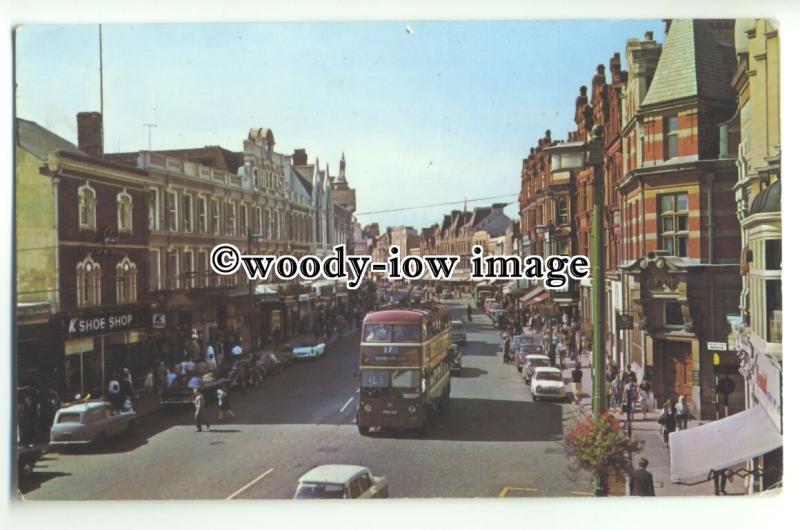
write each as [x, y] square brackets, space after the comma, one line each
[264, 289]
[721, 444]
[537, 295]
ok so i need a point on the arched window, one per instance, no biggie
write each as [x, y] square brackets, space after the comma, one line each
[87, 207]
[88, 282]
[126, 281]
[124, 212]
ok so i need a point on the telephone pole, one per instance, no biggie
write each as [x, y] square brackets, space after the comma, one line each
[150, 135]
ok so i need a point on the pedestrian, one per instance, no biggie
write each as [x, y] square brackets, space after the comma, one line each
[224, 402]
[616, 392]
[577, 385]
[682, 413]
[646, 398]
[211, 358]
[641, 481]
[236, 352]
[469, 312]
[721, 477]
[561, 349]
[610, 396]
[667, 421]
[173, 374]
[506, 348]
[161, 376]
[114, 391]
[199, 413]
[630, 395]
[27, 424]
[629, 373]
[149, 382]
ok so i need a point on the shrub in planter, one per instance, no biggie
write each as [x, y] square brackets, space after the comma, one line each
[600, 447]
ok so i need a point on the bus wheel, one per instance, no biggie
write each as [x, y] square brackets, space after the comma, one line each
[363, 430]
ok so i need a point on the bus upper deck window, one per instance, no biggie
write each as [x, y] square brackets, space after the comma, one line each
[377, 333]
[407, 333]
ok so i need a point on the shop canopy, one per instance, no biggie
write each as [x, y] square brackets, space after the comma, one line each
[721, 444]
[537, 295]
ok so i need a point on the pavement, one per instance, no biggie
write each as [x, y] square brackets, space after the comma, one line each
[649, 431]
[494, 441]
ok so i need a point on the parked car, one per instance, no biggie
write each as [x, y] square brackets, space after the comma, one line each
[532, 344]
[27, 456]
[548, 383]
[454, 359]
[92, 422]
[308, 350]
[269, 364]
[181, 391]
[334, 481]
[458, 334]
[532, 362]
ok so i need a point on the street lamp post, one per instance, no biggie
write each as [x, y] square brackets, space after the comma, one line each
[595, 159]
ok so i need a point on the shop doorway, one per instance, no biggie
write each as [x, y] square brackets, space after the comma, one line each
[677, 369]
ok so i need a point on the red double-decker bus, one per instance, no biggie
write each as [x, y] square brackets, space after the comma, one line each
[405, 380]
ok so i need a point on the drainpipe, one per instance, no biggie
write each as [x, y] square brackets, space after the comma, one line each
[709, 178]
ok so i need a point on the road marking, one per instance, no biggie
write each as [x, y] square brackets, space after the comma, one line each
[345, 405]
[240, 490]
[506, 489]
[590, 494]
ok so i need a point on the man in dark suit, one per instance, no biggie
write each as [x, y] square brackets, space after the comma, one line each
[642, 481]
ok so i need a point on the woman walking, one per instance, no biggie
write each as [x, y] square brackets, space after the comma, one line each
[646, 398]
[224, 402]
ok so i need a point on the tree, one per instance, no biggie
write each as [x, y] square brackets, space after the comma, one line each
[600, 447]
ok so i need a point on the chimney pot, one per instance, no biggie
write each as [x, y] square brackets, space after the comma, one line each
[648, 35]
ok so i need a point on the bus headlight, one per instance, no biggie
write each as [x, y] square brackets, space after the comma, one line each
[368, 408]
[412, 409]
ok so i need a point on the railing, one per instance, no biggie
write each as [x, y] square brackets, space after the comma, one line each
[150, 160]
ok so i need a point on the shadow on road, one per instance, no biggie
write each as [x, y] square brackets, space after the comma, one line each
[469, 372]
[486, 420]
[37, 478]
[482, 349]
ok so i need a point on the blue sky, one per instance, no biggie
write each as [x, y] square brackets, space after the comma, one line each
[439, 114]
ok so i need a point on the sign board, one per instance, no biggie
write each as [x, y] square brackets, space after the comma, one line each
[624, 322]
[94, 322]
[716, 346]
[159, 321]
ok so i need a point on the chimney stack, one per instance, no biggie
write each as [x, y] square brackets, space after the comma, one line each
[90, 133]
[299, 157]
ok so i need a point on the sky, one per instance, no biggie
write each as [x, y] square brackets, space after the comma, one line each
[425, 112]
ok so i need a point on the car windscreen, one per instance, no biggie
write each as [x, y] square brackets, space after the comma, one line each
[538, 362]
[548, 376]
[310, 490]
[69, 417]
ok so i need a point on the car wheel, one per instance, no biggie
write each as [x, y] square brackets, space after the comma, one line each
[100, 441]
[363, 430]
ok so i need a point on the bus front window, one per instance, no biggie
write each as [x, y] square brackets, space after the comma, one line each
[406, 383]
[374, 383]
[407, 333]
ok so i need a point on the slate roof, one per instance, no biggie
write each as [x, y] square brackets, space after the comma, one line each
[692, 64]
[39, 141]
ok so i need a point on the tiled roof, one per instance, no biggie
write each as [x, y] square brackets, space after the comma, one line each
[39, 141]
[693, 63]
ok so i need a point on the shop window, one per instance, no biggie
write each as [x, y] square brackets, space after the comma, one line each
[124, 212]
[772, 254]
[674, 224]
[670, 137]
[152, 209]
[87, 207]
[172, 210]
[673, 316]
[774, 307]
[88, 277]
[126, 281]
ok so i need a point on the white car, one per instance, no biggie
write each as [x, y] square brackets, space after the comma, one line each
[335, 481]
[548, 383]
[532, 362]
[308, 351]
[92, 422]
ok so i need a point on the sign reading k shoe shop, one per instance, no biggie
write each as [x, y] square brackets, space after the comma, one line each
[88, 323]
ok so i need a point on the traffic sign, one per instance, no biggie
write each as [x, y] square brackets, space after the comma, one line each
[716, 359]
[716, 346]
[624, 322]
[159, 320]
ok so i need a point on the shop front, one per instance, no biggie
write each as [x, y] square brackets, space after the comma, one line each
[99, 342]
[39, 347]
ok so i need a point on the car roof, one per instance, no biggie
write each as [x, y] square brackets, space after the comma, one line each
[333, 473]
[548, 369]
[537, 356]
[84, 407]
